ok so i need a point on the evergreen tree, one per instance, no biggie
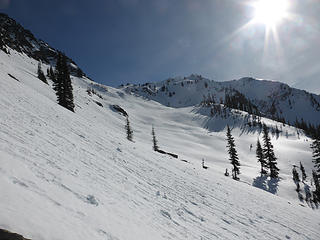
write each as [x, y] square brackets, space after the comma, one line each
[128, 130]
[154, 140]
[52, 74]
[41, 75]
[316, 193]
[303, 172]
[268, 153]
[260, 157]
[316, 155]
[233, 155]
[63, 85]
[79, 72]
[296, 178]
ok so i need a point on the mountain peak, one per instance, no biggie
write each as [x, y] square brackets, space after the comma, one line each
[15, 37]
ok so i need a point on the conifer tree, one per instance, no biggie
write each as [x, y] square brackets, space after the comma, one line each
[316, 193]
[260, 157]
[269, 153]
[41, 75]
[316, 155]
[52, 75]
[128, 130]
[233, 155]
[154, 140]
[296, 178]
[303, 172]
[63, 85]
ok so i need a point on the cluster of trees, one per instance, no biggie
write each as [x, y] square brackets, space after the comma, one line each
[310, 129]
[265, 155]
[61, 81]
[296, 177]
[208, 100]
[315, 146]
[315, 174]
[238, 101]
[268, 161]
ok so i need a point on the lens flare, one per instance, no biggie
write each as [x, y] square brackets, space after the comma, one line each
[270, 12]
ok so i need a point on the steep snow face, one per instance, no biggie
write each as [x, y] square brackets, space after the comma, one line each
[274, 100]
[67, 175]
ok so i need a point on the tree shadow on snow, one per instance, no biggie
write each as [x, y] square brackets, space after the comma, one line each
[265, 183]
[218, 122]
[308, 197]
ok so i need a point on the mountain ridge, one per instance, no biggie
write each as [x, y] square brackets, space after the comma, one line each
[14, 36]
[273, 99]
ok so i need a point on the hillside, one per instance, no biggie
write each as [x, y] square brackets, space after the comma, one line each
[76, 176]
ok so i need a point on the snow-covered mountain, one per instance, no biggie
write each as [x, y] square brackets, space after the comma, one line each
[66, 175]
[14, 37]
[273, 100]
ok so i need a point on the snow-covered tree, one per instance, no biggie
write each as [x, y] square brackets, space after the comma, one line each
[303, 172]
[41, 75]
[268, 153]
[316, 155]
[260, 157]
[154, 140]
[233, 155]
[296, 178]
[51, 74]
[316, 193]
[128, 130]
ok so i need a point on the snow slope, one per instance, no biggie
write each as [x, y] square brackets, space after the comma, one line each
[67, 175]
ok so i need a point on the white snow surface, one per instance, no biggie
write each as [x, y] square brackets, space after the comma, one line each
[67, 175]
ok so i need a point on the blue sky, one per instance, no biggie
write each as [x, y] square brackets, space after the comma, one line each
[120, 41]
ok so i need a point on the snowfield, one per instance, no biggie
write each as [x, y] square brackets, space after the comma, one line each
[67, 175]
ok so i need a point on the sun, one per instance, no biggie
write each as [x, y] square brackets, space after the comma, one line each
[270, 12]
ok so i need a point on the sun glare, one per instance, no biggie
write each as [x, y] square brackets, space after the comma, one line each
[270, 12]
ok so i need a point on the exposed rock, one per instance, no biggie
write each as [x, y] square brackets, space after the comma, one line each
[6, 235]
